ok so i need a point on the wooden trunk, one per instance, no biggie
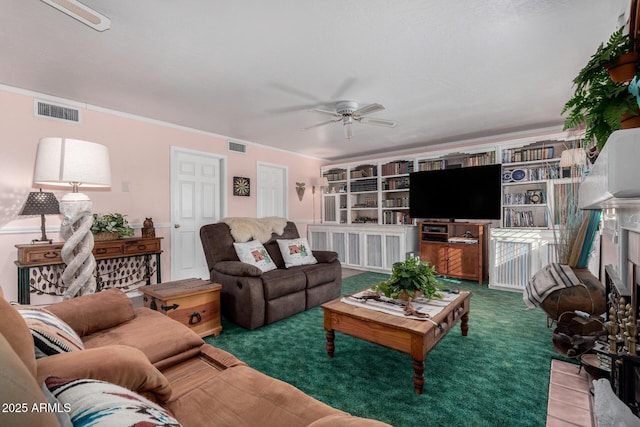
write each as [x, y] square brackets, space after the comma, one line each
[193, 302]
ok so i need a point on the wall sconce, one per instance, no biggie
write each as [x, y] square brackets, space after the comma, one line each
[300, 190]
[41, 203]
[319, 182]
[73, 163]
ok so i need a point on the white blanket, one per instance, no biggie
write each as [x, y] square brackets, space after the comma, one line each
[245, 229]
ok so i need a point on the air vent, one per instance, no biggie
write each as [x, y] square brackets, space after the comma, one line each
[237, 147]
[53, 111]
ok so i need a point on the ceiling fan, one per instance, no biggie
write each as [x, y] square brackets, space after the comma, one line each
[349, 111]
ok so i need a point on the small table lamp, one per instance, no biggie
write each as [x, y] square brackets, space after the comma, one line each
[73, 163]
[40, 203]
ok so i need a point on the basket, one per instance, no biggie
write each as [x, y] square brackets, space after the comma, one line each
[105, 235]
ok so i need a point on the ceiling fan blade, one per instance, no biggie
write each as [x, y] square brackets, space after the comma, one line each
[378, 122]
[368, 109]
[343, 88]
[322, 124]
[333, 113]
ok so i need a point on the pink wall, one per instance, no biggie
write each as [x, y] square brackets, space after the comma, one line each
[140, 157]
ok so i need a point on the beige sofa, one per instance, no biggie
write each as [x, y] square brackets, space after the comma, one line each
[154, 356]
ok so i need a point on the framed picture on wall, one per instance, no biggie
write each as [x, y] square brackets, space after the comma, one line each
[241, 186]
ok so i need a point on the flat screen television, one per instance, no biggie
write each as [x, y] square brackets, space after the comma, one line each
[459, 193]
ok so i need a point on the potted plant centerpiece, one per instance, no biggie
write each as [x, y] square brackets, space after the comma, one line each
[409, 279]
[599, 103]
[110, 226]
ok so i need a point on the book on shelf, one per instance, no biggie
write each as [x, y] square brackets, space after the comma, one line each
[431, 165]
[515, 155]
[396, 183]
[365, 185]
[332, 175]
[481, 159]
[519, 218]
[397, 168]
[391, 217]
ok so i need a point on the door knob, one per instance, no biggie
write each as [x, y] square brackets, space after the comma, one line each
[176, 225]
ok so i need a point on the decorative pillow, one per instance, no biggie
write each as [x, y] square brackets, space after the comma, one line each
[296, 252]
[254, 253]
[102, 404]
[50, 334]
[61, 410]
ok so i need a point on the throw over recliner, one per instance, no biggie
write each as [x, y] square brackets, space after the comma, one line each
[252, 298]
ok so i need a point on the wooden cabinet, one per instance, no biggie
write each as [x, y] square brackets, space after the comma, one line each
[456, 249]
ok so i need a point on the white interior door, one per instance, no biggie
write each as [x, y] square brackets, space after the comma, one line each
[196, 199]
[272, 190]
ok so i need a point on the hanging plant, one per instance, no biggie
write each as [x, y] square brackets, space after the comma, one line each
[598, 102]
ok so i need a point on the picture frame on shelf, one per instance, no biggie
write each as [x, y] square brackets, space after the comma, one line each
[535, 197]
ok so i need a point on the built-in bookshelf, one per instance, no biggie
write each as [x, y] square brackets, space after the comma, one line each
[394, 194]
[536, 187]
[531, 176]
[378, 191]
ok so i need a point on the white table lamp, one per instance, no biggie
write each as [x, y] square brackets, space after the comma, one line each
[66, 162]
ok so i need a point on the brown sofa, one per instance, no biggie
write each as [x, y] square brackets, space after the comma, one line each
[156, 357]
[252, 298]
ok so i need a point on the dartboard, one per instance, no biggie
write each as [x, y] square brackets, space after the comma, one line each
[240, 186]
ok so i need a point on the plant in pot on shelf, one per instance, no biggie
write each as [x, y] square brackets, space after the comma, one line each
[599, 103]
[110, 226]
[409, 279]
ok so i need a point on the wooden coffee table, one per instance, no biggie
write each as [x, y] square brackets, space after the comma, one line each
[414, 337]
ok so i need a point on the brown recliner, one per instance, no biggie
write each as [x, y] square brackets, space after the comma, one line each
[252, 298]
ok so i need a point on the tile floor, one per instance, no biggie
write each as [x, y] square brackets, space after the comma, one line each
[569, 404]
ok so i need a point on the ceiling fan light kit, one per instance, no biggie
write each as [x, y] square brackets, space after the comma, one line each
[348, 130]
[348, 111]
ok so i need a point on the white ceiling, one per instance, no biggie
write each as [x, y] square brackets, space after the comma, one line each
[251, 69]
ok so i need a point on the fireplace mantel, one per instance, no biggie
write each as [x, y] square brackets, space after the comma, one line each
[614, 180]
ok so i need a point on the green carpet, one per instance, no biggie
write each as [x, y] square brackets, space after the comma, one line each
[496, 376]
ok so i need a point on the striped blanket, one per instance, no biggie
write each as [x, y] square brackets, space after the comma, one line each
[548, 279]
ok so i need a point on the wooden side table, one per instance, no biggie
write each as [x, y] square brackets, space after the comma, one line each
[193, 302]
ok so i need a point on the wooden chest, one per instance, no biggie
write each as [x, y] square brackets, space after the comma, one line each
[193, 302]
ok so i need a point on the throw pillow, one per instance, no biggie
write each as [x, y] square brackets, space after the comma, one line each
[50, 334]
[254, 253]
[296, 252]
[102, 404]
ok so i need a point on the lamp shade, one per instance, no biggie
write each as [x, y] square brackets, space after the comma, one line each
[67, 162]
[40, 203]
[572, 157]
[320, 181]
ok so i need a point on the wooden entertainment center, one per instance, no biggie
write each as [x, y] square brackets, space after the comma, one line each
[456, 249]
